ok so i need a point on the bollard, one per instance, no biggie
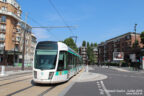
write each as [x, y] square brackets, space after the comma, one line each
[87, 70]
[2, 71]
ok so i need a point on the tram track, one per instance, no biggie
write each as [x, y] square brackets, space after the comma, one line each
[18, 91]
[31, 87]
[13, 77]
[14, 82]
[46, 91]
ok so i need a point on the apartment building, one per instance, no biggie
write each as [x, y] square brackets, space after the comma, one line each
[123, 43]
[11, 33]
[83, 53]
[95, 52]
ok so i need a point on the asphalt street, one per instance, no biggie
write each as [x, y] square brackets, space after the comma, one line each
[118, 83]
[99, 81]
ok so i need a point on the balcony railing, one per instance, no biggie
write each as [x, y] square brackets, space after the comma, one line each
[1, 47]
[10, 14]
[2, 30]
[2, 39]
[2, 21]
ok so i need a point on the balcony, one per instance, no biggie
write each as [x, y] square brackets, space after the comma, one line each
[2, 21]
[10, 14]
[2, 30]
[1, 48]
[17, 39]
[84, 53]
[2, 39]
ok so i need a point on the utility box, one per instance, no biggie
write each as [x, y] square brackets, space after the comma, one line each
[143, 62]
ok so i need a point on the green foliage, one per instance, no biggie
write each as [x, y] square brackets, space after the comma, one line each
[92, 59]
[70, 42]
[92, 45]
[84, 44]
[88, 44]
[95, 44]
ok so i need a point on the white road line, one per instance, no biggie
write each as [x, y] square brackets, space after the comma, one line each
[104, 88]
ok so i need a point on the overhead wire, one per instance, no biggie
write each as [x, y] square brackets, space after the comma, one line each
[36, 22]
[62, 18]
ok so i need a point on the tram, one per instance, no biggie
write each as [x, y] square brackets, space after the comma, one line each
[55, 62]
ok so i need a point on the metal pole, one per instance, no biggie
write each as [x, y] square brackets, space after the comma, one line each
[23, 54]
[14, 49]
[135, 32]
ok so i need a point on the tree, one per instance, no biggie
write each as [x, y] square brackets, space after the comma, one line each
[88, 44]
[95, 44]
[90, 54]
[84, 44]
[70, 42]
[92, 45]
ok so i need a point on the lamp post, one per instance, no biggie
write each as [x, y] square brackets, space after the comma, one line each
[135, 33]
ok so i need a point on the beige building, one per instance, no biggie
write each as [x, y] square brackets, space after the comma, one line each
[83, 53]
[11, 33]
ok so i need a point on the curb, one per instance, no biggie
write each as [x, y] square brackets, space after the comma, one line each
[12, 73]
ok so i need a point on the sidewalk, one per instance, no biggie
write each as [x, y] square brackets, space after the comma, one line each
[10, 70]
[124, 69]
[88, 77]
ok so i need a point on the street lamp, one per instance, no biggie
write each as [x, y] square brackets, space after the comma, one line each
[135, 32]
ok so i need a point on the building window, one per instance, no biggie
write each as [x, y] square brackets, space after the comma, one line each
[3, 8]
[4, 0]
[2, 27]
[3, 19]
[2, 37]
[1, 45]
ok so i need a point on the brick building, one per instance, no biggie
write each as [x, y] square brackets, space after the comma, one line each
[123, 43]
[11, 32]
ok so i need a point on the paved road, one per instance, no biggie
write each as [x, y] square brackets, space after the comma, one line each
[22, 85]
[111, 83]
[117, 84]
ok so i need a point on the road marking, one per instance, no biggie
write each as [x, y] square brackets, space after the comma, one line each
[104, 88]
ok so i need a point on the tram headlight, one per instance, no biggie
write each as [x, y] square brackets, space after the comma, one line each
[35, 74]
[50, 75]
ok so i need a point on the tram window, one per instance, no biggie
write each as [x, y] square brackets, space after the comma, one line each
[70, 61]
[62, 61]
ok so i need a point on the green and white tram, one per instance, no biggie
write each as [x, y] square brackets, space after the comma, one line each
[55, 62]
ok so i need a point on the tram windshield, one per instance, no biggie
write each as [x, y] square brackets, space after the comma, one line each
[45, 59]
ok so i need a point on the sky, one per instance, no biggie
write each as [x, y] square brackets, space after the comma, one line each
[95, 20]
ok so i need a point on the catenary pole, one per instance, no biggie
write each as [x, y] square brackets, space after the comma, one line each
[23, 53]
